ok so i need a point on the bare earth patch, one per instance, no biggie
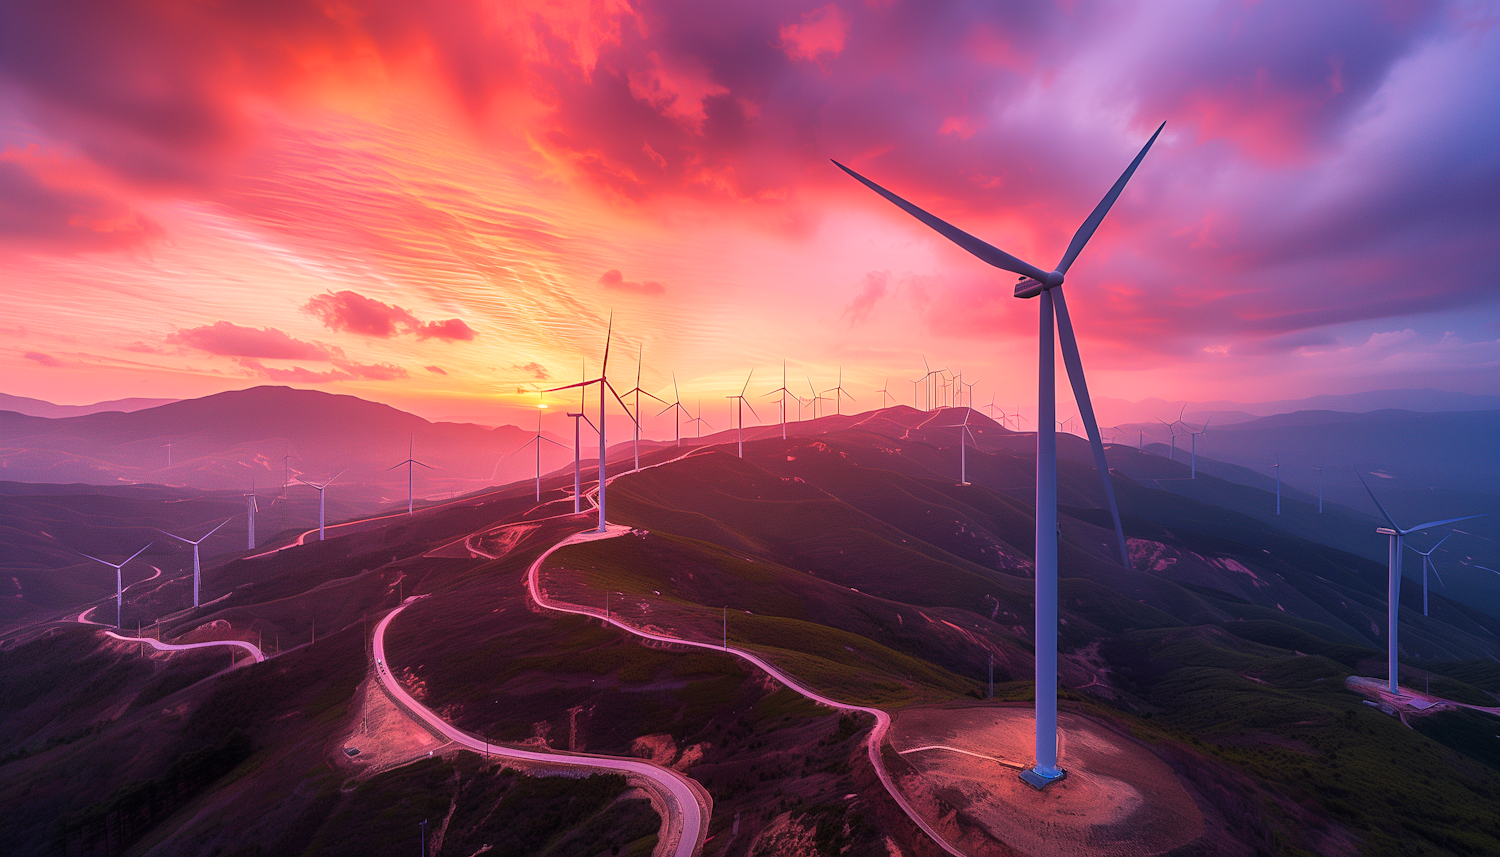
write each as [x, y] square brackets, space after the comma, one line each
[1119, 799]
[384, 734]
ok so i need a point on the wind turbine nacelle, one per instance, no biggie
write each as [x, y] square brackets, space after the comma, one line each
[1028, 287]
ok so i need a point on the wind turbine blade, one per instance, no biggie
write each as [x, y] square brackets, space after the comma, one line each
[394, 466]
[1439, 523]
[112, 565]
[1383, 512]
[571, 386]
[620, 400]
[173, 535]
[608, 335]
[1074, 365]
[985, 252]
[1432, 565]
[1086, 231]
[667, 408]
[420, 464]
[747, 381]
[207, 534]
[658, 398]
[554, 443]
[149, 544]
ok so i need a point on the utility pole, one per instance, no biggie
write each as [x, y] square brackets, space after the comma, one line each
[424, 838]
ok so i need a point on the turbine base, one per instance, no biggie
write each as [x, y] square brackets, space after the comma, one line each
[1038, 780]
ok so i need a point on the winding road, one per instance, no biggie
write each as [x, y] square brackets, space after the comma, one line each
[872, 743]
[684, 826]
[254, 651]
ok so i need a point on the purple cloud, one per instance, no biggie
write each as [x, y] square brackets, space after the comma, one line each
[42, 359]
[232, 340]
[613, 279]
[354, 313]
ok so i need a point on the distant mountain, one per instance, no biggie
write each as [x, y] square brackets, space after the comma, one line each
[227, 440]
[39, 408]
[1120, 411]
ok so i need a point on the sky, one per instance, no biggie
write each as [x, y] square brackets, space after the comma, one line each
[442, 206]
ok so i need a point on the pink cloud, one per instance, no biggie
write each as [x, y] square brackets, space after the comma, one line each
[63, 215]
[822, 32]
[536, 370]
[436, 370]
[354, 313]
[613, 279]
[871, 290]
[232, 340]
[43, 359]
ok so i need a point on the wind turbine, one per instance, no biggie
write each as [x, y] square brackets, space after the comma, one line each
[699, 420]
[1277, 467]
[410, 446]
[537, 439]
[741, 411]
[603, 382]
[885, 393]
[816, 397]
[636, 417]
[1428, 563]
[197, 569]
[120, 583]
[1393, 578]
[964, 436]
[677, 406]
[168, 448]
[578, 454]
[321, 489]
[1193, 435]
[251, 506]
[1173, 432]
[838, 392]
[1320, 489]
[784, 393]
[1035, 282]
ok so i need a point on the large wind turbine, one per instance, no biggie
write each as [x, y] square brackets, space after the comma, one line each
[321, 492]
[410, 451]
[740, 420]
[603, 382]
[784, 393]
[197, 569]
[537, 439]
[636, 417]
[1393, 578]
[1277, 467]
[1428, 563]
[1035, 282]
[964, 436]
[120, 583]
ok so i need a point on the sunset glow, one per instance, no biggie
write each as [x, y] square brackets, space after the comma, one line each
[438, 206]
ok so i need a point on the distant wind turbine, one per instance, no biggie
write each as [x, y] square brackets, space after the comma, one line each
[1035, 282]
[1320, 489]
[675, 406]
[603, 382]
[742, 404]
[537, 439]
[1173, 432]
[410, 451]
[699, 420]
[838, 391]
[964, 436]
[168, 448]
[885, 393]
[322, 491]
[784, 393]
[1393, 578]
[120, 583]
[636, 417]
[1428, 563]
[197, 568]
[251, 506]
[1277, 467]
[1193, 435]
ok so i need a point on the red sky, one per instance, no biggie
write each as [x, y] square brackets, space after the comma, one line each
[436, 205]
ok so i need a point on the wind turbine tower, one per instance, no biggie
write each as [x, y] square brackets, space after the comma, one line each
[1037, 283]
[251, 506]
[1277, 467]
[120, 583]
[1193, 438]
[537, 439]
[675, 406]
[410, 447]
[885, 394]
[197, 568]
[322, 490]
[1393, 574]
